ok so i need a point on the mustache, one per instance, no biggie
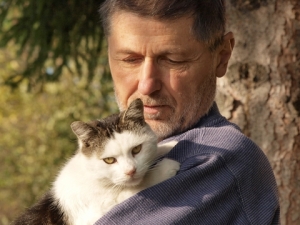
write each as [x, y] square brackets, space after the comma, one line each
[157, 100]
[153, 99]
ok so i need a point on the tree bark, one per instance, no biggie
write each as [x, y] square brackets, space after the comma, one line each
[261, 90]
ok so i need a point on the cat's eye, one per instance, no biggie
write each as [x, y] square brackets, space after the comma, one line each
[136, 150]
[109, 160]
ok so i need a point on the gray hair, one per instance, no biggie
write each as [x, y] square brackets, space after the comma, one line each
[209, 15]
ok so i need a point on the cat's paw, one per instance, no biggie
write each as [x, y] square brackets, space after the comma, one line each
[163, 170]
[168, 168]
[166, 148]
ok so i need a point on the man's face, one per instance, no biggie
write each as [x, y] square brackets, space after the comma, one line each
[162, 63]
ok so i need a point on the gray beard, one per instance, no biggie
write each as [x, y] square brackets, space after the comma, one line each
[195, 108]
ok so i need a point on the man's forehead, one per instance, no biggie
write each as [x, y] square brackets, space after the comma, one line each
[125, 23]
[131, 33]
[118, 16]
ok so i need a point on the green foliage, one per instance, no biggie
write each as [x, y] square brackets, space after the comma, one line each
[36, 138]
[50, 35]
[44, 41]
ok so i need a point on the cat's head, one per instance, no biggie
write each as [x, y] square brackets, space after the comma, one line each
[119, 148]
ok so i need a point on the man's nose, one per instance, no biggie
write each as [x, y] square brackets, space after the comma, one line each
[150, 77]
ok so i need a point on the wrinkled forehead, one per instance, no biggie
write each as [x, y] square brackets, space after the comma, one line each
[145, 16]
[128, 27]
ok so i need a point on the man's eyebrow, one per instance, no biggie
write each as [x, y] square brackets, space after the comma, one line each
[125, 51]
[163, 52]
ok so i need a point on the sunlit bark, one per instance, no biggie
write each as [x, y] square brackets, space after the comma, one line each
[261, 91]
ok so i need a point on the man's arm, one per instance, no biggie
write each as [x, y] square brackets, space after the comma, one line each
[212, 187]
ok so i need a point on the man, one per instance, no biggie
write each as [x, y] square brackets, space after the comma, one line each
[169, 53]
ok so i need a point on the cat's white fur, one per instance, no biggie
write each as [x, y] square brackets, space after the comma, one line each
[84, 186]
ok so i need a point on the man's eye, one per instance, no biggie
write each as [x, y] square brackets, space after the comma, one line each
[175, 61]
[129, 60]
[132, 60]
[171, 61]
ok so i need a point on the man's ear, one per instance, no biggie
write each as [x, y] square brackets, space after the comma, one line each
[224, 53]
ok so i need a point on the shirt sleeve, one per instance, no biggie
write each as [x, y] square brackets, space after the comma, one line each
[213, 186]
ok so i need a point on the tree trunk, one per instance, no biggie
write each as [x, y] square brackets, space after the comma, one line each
[261, 90]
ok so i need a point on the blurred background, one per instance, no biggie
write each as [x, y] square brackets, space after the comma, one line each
[53, 71]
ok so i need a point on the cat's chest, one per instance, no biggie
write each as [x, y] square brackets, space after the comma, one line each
[82, 197]
[87, 209]
[89, 214]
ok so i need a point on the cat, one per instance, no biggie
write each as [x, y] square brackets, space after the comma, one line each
[113, 162]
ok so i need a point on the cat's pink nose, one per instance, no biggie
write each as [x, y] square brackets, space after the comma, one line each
[131, 172]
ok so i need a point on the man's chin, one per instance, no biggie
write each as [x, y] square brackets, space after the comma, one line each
[154, 122]
[161, 128]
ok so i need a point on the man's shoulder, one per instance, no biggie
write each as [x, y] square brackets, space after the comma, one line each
[219, 135]
[215, 137]
[221, 141]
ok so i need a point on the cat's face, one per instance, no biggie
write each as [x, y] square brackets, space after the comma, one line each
[126, 158]
[120, 148]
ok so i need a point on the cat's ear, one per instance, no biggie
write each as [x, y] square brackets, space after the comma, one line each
[135, 112]
[83, 130]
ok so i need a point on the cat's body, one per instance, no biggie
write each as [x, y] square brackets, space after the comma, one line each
[111, 165]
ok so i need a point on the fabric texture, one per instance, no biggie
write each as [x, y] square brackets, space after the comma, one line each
[224, 178]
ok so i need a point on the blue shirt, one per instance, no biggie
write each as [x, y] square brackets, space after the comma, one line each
[224, 178]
